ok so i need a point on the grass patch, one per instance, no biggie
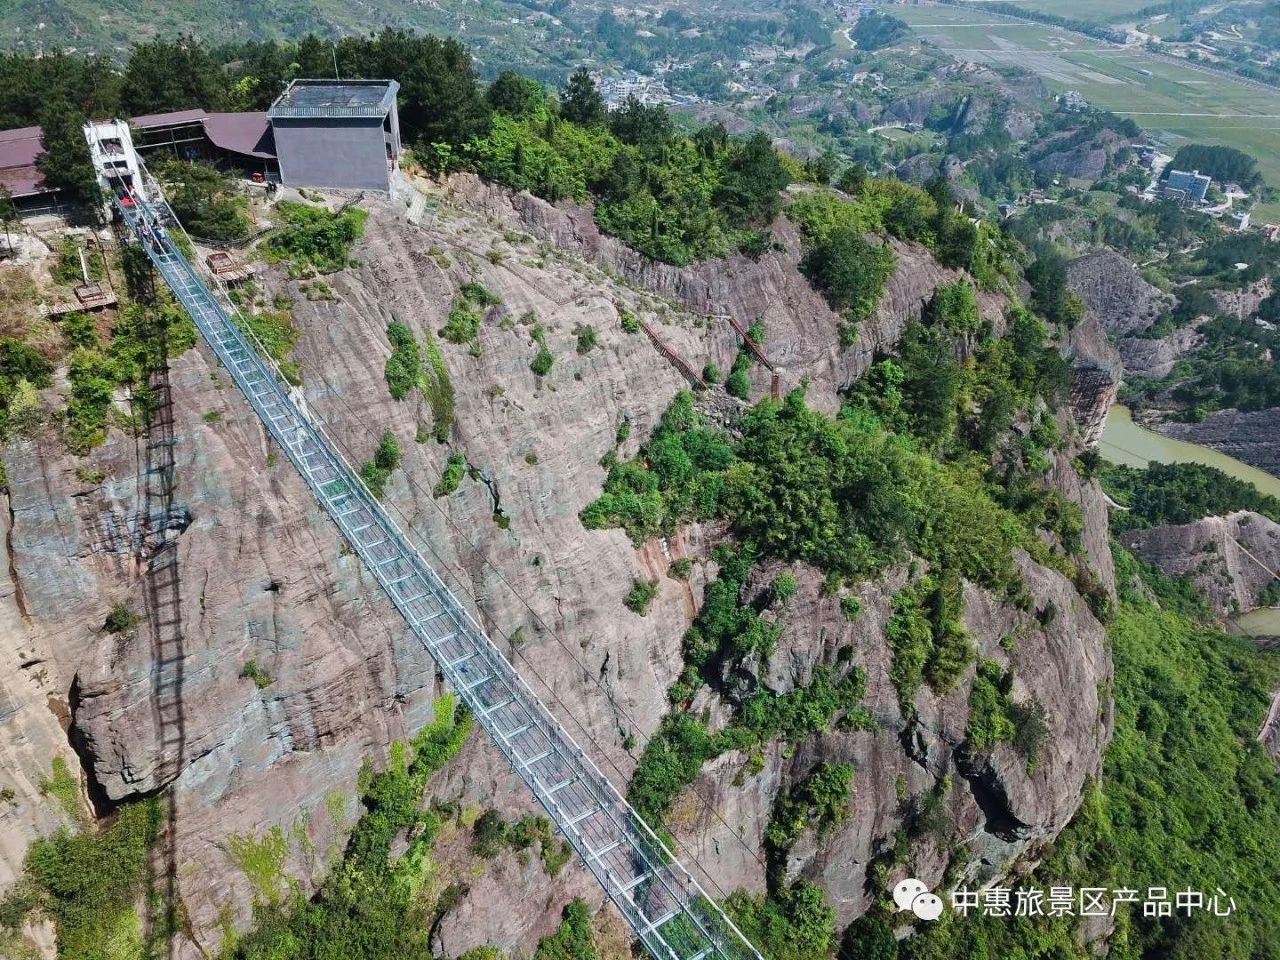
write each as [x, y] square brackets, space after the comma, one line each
[64, 787]
[261, 677]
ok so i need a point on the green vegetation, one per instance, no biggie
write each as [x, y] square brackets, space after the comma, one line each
[544, 358]
[403, 369]
[70, 269]
[437, 389]
[261, 677]
[676, 753]
[141, 339]
[820, 801]
[990, 721]
[377, 471]
[1224, 164]
[875, 30]
[1167, 493]
[454, 470]
[491, 834]
[792, 923]
[204, 198]
[573, 940]
[653, 500]
[1233, 367]
[64, 787]
[641, 595]
[586, 335]
[369, 908]
[673, 197]
[311, 240]
[261, 860]
[463, 323]
[120, 619]
[927, 639]
[88, 883]
[630, 322]
[1188, 798]
[273, 331]
[850, 270]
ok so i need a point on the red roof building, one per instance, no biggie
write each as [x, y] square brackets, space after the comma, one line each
[241, 139]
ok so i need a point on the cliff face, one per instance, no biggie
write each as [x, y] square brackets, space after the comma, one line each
[995, 807]
[1229, 559]
[1252, 436]
[262, 576]
[259, 576]
[1110, 287]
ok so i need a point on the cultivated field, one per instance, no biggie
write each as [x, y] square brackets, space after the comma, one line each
[1095, 11]
[1172, 102]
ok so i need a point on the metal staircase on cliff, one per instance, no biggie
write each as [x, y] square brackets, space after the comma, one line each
[662, 902]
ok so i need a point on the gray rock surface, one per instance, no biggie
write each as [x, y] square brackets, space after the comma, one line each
[1253, 436]
[1110, 286]
[263, 576]
[995, 809]
[1229, 559]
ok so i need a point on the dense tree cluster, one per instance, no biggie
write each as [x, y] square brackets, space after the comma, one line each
[875, 30]
[1180, 493]
[1224, 164]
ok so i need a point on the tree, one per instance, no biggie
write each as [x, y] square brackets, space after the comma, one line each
[580, 100]
[513, 94]
[8, 213]
[640, 125]
[65, 163]
[204, 199]
[822, 168]
[178, 75]
[751, 181]
[850, 270]
[853, 180]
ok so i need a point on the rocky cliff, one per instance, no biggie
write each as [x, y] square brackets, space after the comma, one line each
[262, 577]
[1229, 559]
[1252, 436]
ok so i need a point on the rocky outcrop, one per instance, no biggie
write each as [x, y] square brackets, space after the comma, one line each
[1253, 437]
[1093, 390]
[1063, 156]
[801, 329]
[1229, 559]
[263, 577]
[1154, 357]
[1110, 286]
[918, 169]
[995, 807]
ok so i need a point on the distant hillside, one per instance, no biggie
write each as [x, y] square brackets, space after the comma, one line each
[112, 26]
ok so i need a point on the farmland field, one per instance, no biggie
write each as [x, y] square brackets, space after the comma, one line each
[1172, 102]
[1095, 11]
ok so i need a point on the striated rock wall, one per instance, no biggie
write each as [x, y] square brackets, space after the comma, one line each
[1230, 559]
[263, 576]
[1110, 286]
[995, 808]
[1253, 436]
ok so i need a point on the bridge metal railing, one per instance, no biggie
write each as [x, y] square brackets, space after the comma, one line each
[661, 901]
